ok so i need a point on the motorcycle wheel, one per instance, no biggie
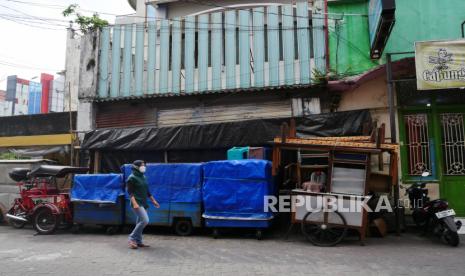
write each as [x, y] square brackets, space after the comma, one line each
[45, 222]
[16, 223]
[452, 238]
[419, 220]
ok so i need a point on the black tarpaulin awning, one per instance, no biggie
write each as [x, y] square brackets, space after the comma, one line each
[224, 135]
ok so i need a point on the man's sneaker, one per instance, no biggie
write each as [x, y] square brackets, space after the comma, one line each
[142, 245]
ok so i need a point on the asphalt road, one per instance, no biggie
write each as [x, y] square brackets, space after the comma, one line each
[95, 253]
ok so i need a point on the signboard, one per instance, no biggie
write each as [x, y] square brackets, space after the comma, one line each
[381, 19]
[440, 64]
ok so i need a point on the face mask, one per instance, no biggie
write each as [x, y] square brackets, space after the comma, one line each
[142, 169]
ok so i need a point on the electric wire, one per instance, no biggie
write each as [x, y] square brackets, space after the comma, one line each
[21, 12]
[10, 64]
[193, 1]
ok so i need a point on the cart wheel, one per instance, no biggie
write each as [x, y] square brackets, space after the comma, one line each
[111, 230]
[45, 222]
[259, 234]
[15, 211]
[183, 227]
[323, 228]
[216, 233]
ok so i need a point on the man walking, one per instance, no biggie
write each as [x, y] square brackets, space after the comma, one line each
[138, 191]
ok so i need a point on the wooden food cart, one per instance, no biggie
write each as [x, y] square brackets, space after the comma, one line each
[344, 165]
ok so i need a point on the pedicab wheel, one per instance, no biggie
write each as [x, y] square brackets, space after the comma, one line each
[16, 224]
[216, 233]
[259, 234]
[323, 228]
[13, 222]
[45, 222]
[183, 227]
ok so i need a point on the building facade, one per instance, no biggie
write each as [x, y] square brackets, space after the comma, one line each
[429, 124]
[200, 66]
[27, 97]
[6, 108]
[179, 64]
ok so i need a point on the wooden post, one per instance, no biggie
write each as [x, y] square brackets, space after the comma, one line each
[381, 138]
[394, 170]
[292, 129]
[276, 160]
[97, 160]
[284, 132]
[373, 132]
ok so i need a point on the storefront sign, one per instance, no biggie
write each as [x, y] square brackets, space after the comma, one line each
[440, 64]
[381, 19]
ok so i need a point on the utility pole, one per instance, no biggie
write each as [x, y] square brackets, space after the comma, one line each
[71, 132]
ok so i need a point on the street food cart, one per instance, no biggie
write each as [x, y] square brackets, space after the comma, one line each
[332, 171]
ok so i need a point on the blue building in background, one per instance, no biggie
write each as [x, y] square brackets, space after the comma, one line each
[35, 96]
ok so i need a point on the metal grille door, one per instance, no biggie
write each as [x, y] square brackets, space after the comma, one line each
[453, 143]
[418, 146]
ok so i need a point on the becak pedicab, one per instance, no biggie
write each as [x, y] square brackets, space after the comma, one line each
[41, 202]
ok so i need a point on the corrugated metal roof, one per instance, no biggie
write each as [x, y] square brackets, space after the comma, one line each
[400, 69]
[211, 92]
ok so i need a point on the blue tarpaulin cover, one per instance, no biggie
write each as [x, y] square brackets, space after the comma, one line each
[235, 189]
[97, 188]
[178, 183]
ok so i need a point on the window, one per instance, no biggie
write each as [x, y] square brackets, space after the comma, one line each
[453, 143]
[418, 145]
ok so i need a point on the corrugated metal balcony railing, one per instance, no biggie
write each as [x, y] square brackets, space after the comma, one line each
[234, 49]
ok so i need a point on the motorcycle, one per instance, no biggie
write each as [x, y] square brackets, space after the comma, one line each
[433, 215]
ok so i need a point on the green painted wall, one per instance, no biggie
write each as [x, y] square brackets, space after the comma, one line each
[349, 44]
[416, 20]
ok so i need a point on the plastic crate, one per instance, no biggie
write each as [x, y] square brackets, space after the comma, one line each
[238, 153]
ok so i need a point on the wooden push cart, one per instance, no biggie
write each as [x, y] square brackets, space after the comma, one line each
[322, 225]
[345, 163]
